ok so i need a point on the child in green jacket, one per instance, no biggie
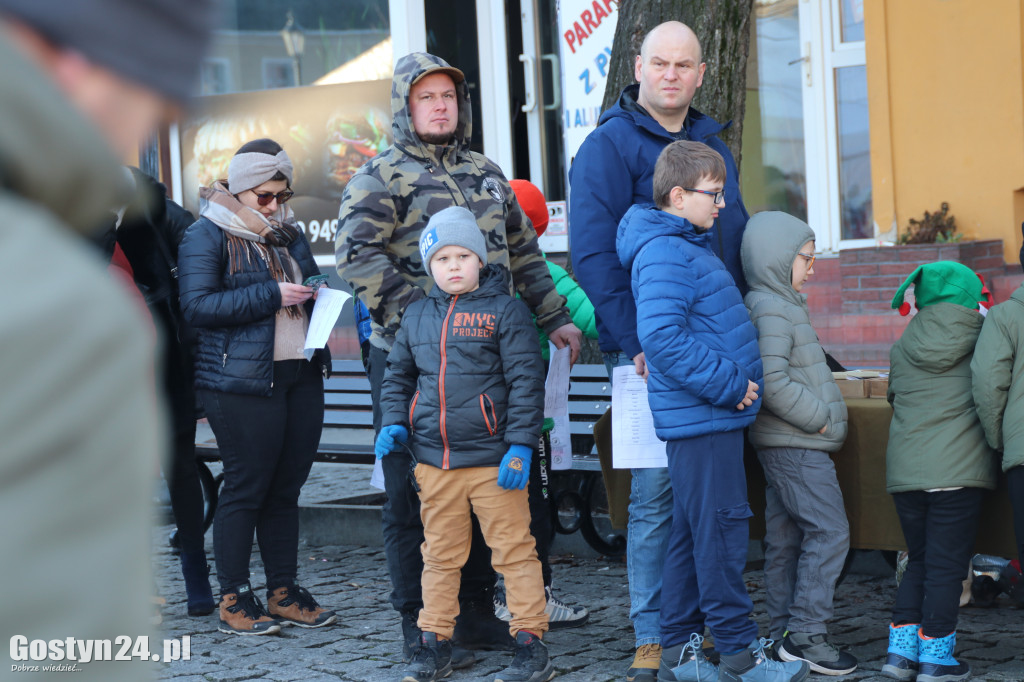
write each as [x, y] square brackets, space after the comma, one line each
[998, 371]
[938, 466]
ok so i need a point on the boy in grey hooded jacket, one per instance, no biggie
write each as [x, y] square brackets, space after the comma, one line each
[802, 419]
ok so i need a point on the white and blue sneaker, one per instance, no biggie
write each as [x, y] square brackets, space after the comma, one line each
[755, 665]
[687, 663]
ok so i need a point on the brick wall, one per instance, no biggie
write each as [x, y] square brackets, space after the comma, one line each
[869, 277]
[849, 296]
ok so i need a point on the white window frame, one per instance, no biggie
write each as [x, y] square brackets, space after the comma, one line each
[824, 52]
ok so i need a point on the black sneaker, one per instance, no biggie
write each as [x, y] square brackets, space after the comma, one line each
[531, 662]
[461, 658]
[476, 626]
[821, 655]
[410, 634]
[431, 660]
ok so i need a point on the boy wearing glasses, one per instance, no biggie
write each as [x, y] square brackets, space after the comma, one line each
[803, 418]
[705, 375]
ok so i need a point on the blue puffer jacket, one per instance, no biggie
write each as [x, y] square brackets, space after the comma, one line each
[234, 315]
[613, 170]
[693, 327]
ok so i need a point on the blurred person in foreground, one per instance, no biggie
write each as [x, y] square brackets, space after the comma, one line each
[80, 84]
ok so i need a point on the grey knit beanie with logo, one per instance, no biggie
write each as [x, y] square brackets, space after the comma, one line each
[454, 226]
[155, 43]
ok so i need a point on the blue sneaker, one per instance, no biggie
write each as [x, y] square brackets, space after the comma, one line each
[687, 663]
[754, 665]
[937, 662]
[901, 658]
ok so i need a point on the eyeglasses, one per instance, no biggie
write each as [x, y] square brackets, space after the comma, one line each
[719, 196]
[264, 198]
[809, 259]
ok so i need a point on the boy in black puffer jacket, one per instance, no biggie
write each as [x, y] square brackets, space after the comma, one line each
[465, 377]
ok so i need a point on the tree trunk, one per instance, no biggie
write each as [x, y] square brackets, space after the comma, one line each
[723, 28]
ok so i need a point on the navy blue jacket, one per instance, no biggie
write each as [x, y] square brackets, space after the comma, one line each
[466, 373]
[613, 170]
[699, 343]
[234, 315]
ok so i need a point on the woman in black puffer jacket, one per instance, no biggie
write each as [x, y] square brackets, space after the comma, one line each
[242, 265]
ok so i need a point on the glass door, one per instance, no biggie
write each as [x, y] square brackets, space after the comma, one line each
[805, 138]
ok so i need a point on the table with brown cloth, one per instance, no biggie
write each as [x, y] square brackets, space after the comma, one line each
[860, 468]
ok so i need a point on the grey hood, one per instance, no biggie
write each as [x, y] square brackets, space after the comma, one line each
[770, 244]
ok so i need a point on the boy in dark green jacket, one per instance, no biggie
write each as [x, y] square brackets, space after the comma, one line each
[998, 371]
[937, 467]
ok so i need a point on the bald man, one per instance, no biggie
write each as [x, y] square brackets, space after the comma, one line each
[612, 171]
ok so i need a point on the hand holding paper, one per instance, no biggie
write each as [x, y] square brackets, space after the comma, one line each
[329, 303]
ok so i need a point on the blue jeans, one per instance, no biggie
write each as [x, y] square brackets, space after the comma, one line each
[650, 523]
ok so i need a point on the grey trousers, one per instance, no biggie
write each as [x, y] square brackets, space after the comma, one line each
[807, 538]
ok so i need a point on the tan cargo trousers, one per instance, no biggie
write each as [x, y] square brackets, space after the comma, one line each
[446, 498]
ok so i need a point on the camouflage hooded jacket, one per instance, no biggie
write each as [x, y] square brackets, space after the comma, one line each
[389, 201]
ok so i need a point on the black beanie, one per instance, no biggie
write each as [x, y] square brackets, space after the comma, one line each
[155, 43]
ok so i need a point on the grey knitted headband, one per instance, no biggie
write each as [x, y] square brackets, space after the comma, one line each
[252, 169]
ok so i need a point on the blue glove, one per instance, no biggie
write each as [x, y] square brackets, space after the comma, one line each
[514, 472]
[389, 438]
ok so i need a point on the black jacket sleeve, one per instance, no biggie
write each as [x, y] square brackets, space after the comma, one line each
[399, 382]
[204, 301]
[524, 374]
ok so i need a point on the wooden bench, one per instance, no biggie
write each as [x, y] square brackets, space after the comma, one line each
[348, 436]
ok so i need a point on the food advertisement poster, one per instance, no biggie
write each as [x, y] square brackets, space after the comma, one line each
[329, 131]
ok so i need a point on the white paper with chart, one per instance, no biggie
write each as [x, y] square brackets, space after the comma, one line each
[634, 443]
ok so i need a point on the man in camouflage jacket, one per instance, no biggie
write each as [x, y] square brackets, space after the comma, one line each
[385, 207]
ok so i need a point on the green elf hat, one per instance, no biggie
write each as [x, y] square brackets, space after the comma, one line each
[943, 282]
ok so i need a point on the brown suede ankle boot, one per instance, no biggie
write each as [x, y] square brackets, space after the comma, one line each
[241, 613]
[295, 605]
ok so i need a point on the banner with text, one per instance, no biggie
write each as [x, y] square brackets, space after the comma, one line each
[587, 28]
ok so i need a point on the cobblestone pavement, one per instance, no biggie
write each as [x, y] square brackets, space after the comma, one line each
[365, 644]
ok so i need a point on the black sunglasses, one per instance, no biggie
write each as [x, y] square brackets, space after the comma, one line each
[264, 198]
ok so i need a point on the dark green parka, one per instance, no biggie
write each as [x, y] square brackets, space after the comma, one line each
[936, 439]
[998, 369]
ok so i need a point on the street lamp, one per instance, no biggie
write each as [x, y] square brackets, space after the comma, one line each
[294, 43]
